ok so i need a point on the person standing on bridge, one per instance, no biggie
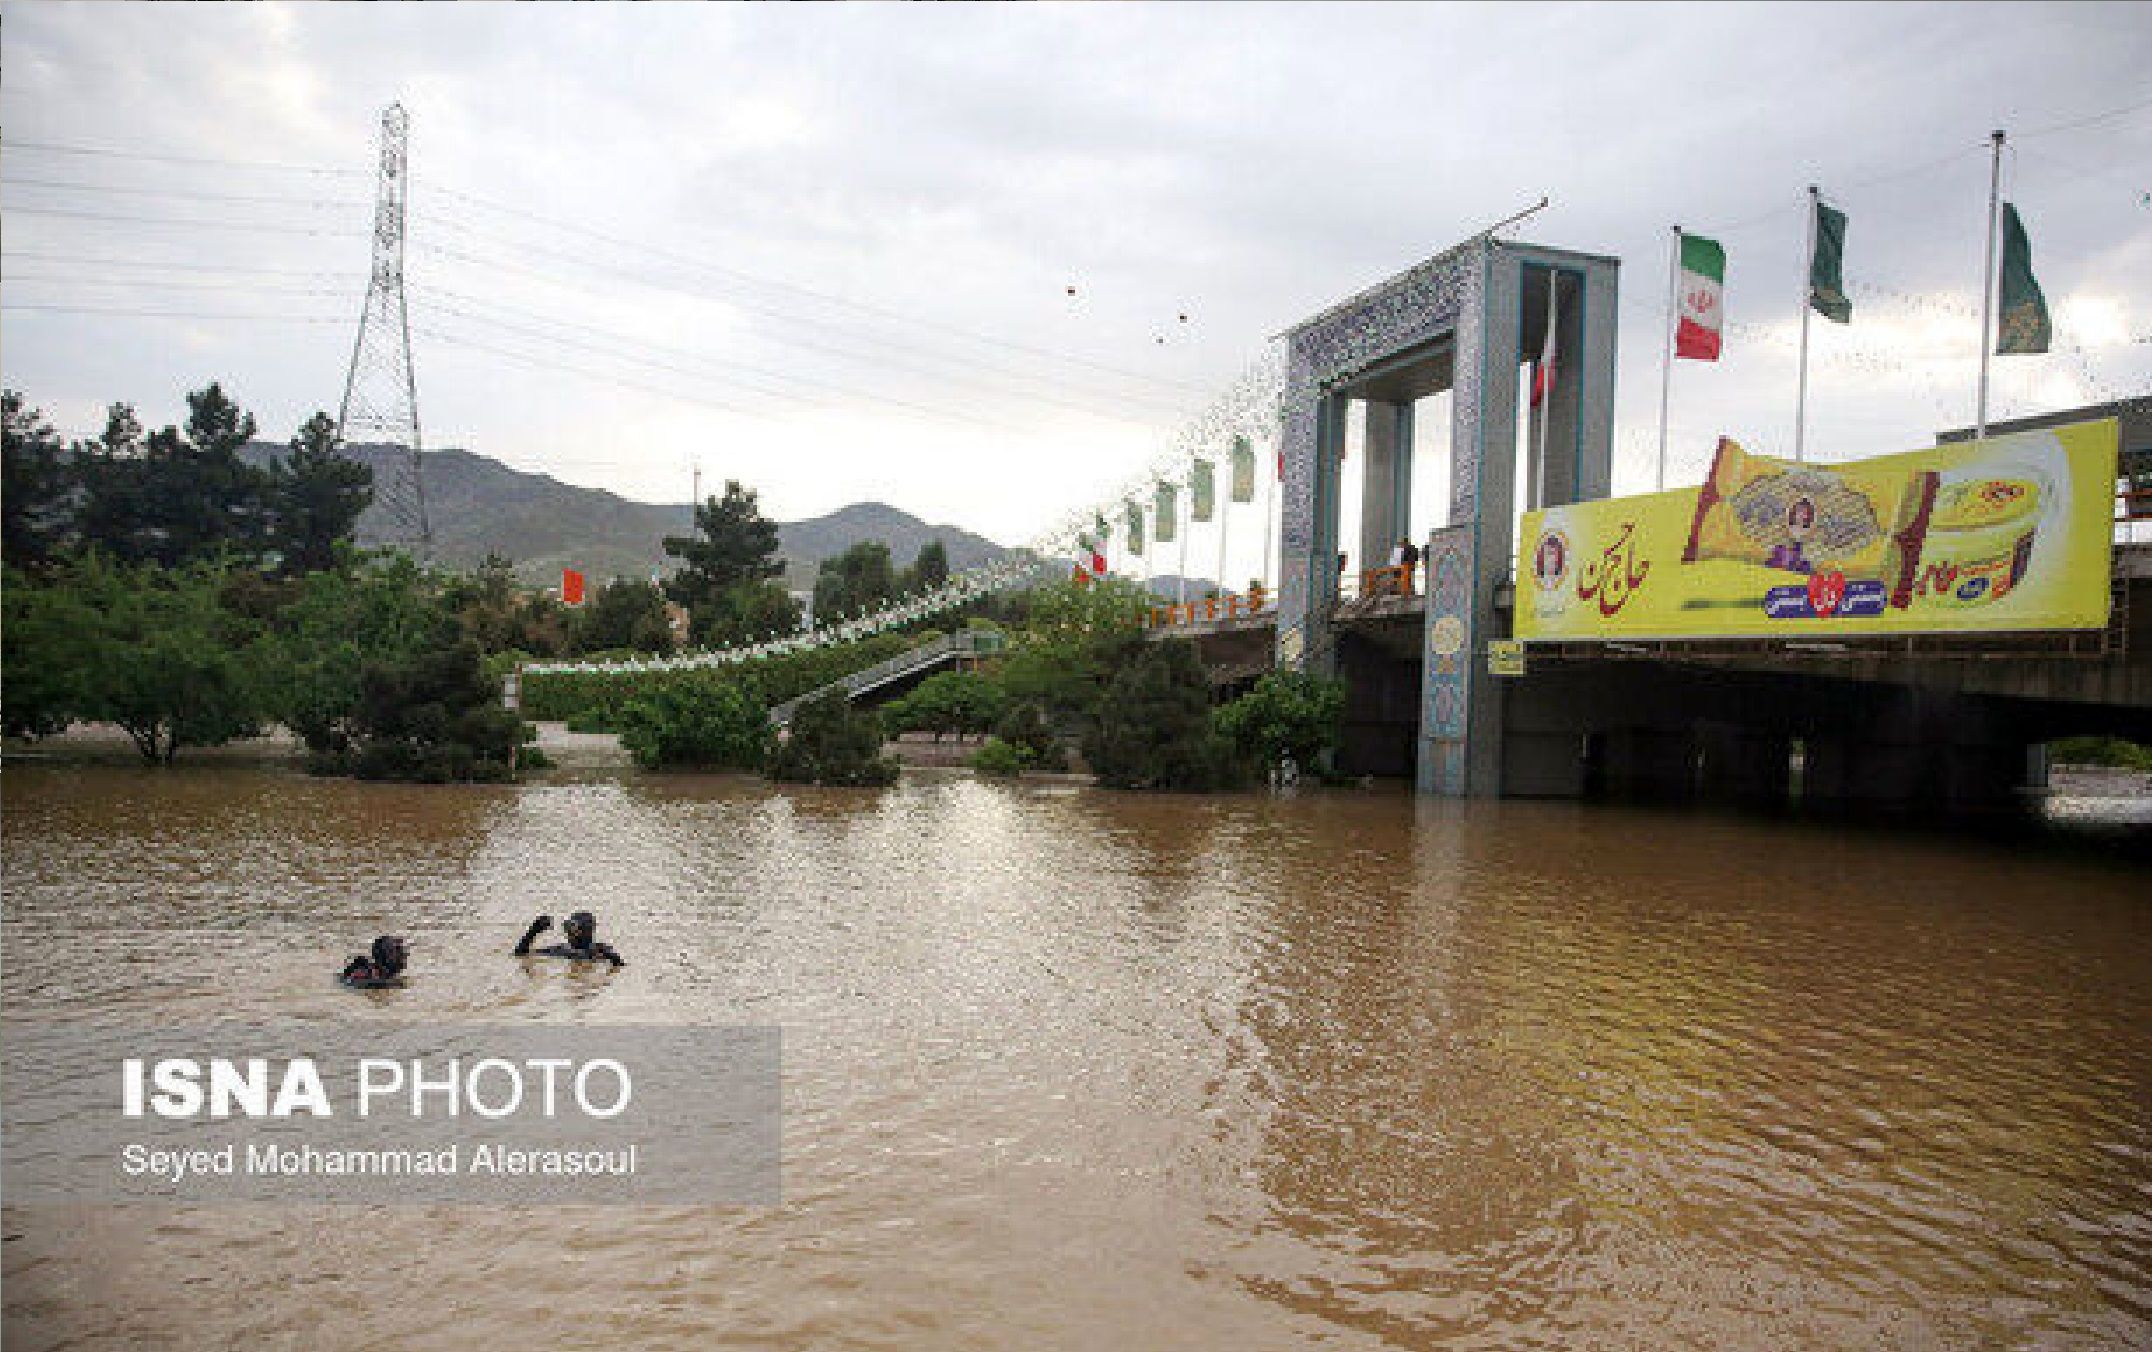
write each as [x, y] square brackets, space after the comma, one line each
[1408, 558]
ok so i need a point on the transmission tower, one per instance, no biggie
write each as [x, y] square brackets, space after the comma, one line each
[381, 393]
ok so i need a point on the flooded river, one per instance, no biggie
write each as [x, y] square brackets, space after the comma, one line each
[1066, 1068]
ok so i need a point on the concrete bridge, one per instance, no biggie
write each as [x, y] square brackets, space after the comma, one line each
[1948, 722]
[1943, 723]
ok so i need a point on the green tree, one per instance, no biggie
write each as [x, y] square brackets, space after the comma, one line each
[1002, 760]
[733, 544]
[180, 495]
[930, 569]
[435, 716]
[205, 498]
[1061, 658]
[858, 579]
[315, 496]
[1154, 728]
[832, 742]
[957, 702]
[1026, 726]
[162, 658]
[500, 615]
[721, 726]
[36, 486]
[116, 490]
[1288, 714]
[44, 653]
[748, 612]
[626, 613]
[376, 612]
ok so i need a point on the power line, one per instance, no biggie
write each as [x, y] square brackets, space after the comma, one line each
[493, 323]
[2075, 123]
[456, 340]
[182, 194]
[181, 284]
[877, 352]
[104, 152]
[846, 302]
[902, 405]
[743, 366]
[89, 260]
[169, 314]
[175, 220]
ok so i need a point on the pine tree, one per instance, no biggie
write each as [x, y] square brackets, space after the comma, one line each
[316, 494]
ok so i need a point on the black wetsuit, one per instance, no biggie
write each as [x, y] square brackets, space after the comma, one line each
[592, 951]
[376, 970]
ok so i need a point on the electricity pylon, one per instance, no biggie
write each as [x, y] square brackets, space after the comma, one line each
[381, 392]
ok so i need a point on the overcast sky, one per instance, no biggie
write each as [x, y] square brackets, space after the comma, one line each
[827, 249]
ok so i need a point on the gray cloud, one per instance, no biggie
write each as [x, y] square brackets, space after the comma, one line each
[1242, 164]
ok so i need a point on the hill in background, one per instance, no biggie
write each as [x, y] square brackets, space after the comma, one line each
[478, 506]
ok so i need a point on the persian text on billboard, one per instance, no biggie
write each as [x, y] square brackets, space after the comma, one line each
[2007, 533]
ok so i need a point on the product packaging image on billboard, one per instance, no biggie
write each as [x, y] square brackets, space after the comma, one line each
[2010, 533]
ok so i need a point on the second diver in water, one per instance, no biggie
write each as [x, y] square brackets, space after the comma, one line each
[378, 968]
[581, 932]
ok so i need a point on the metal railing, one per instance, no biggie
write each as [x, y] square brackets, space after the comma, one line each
[950, 648]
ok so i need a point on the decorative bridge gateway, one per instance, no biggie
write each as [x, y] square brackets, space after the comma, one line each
[1902, 719]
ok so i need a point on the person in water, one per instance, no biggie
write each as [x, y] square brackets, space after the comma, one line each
[581, 932]
[383, 966]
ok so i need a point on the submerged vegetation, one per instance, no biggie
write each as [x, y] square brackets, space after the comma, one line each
[160, 582]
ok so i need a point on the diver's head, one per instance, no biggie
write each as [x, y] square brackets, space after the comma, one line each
[580, 929]
[389, 954]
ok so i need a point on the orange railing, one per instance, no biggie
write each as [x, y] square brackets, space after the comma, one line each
[1214, 608]
[1373, 582]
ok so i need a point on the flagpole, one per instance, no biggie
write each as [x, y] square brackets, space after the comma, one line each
[1987, 283]
[1666, 363]
[1186, 518]
[1800, 396]
[1224, 507]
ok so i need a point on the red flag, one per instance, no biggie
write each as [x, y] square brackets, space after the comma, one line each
[1543, 374]
[571, 587]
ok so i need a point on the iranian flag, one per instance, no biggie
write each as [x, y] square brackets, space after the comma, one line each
[1703, 278]
[1089, 558]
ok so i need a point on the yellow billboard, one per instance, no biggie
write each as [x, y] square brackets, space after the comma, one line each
[2008, 533]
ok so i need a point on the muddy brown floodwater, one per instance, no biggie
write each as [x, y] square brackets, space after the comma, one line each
[1066, 1068]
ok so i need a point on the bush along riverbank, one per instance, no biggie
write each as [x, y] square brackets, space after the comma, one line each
[1076, 673]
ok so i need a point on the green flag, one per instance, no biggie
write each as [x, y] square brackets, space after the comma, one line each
[1164, 517]
[1243, 470]
[1135, 528]
[1826, 270]
[2023, 325]
[1202, 492]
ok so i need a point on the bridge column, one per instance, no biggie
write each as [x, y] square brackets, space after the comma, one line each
[1503, 321]
[1385, 481]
